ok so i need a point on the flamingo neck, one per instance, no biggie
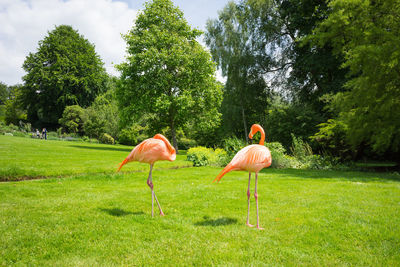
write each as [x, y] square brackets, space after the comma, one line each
[261, 130]
[167, 143]
[262, 138]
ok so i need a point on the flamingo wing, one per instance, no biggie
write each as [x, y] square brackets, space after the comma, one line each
[250, 158]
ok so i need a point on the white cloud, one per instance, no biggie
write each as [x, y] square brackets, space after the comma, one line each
[25, 23]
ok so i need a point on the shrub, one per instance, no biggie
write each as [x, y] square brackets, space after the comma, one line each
[200, 156]
[279, 159]
[300, 149]
[132, 134]
[127, 137]
[186, 143]
[106, 139]
[203, 156]
[232, 145]
[222, 157]
[73, 119]
[52, 134]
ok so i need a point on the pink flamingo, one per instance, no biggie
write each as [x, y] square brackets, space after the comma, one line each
[150, 151]
[252, 158]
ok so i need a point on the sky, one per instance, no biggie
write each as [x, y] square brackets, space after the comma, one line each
[23, 23]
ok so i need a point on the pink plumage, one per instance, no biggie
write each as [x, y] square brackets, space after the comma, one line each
[149, 151]
[252, 158]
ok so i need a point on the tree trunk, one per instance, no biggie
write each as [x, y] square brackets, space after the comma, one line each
[173, 133]
[245, 125]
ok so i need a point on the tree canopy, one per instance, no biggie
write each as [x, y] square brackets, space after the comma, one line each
[168, 74]
[367, 34]
[65, 70]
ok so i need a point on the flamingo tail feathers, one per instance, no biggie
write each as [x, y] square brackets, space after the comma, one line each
[122, 164]
[227, 169]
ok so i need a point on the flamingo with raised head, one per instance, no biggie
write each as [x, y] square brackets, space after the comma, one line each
[150, 151]
[252, 158]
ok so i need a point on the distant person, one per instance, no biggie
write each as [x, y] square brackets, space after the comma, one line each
[44, 133]
[37, 133]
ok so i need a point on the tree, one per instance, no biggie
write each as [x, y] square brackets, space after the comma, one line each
[3, 93]
[367, 34]
[73, 119]
[64, 71]
[14, 111]
[102, 115]
[168, 74]
[286, 119]
[230, 40]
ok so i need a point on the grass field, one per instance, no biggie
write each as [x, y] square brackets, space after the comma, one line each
[102, 218]
[23, 158]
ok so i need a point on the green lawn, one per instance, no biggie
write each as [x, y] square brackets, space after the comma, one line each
[26, 158]
[102, 218]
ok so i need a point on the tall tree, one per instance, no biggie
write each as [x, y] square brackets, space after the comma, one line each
[65, 70]
[230, 42]
[367, 34]
[167, 72]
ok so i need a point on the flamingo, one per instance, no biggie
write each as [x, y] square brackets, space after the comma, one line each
[252, 158]
[150, 151]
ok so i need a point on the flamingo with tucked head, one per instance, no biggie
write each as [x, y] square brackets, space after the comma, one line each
[252, 158]
[150, 151]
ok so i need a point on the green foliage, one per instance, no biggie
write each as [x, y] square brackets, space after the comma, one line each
[280, 160]
[232, 145]
[7, 128]
[107, 139]
[286, 119]
[231, 45]
[102, 116]
[64, 71]
[186, 143]
[14, 111]
[3, 93]
[167, 74]
[300, 149]
[332, 137]
[203, 156]
[73, 119]
[367, 34]
[132, 135]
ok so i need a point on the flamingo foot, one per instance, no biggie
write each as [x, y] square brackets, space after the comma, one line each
[259, 228]
[162, 213]
[249, 225]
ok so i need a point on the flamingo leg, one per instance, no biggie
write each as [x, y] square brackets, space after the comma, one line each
[153, 194]
[256, 197]
[248, 203]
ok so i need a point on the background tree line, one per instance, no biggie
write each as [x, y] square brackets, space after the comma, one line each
[326, 72]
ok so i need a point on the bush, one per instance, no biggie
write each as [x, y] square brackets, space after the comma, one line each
[300, 149]
[186, 143]
[279, 159]
[232, 145]
[203, 156]
[222, 157]
[127, 137]
[106, 139]
[52, 134]
[73, 119]
[7, 128]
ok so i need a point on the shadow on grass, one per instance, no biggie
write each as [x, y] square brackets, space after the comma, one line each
[216, 222]
[103, 148]
[119, 212]
[352, 176]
